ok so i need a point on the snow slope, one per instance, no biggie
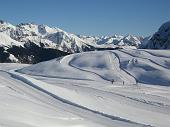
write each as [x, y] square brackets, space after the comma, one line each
[127, 66]
[95, 89]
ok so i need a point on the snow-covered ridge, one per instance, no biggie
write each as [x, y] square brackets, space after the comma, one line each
[128, 66]
[52, 37]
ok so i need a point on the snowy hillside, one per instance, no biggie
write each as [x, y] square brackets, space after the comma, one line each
[161, 39]
[138, 65]
[120, 88]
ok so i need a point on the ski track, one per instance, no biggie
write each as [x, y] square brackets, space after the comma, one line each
[121, 96]
[125, 76]
[131, 77]
[160, 57]
[67, 61]
[124, 97]
[67, 102]
[153, 54]
[158, 65]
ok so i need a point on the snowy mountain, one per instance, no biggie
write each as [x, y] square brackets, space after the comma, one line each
[30, 37]
[161, 39]
[56, 38]
[43, 35]
[113, 41]
[27, 36]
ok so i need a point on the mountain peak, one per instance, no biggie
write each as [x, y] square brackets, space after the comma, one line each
[161, 39]
[2, 22]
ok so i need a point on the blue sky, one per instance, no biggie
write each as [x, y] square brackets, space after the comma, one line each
[90, 17]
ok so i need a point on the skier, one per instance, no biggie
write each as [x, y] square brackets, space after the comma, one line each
[123, 83]
[112, 81]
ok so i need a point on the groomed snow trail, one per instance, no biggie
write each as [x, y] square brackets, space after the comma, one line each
[43, 91]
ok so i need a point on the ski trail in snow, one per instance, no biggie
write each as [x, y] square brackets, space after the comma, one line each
[20, 89]
[151, 61]
[114, 61]
[126, 77]
[32, 82]
[156, 55]
[160, 57]
[67, 61]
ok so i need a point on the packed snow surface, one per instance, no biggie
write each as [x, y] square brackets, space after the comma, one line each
[118, 88]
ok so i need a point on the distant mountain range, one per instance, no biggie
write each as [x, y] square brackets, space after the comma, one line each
[51, 37]
[29, 42]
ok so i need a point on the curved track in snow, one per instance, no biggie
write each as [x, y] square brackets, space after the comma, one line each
[77, 109]
[140, 57]
[67, 61]
[127, 77]
[114, 61]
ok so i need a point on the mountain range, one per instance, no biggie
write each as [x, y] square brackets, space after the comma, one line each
[30, 43]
